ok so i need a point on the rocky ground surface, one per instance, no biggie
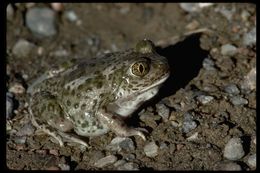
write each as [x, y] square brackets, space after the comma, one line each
[204, 117]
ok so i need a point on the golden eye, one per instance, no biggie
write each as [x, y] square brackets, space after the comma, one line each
[140, 68]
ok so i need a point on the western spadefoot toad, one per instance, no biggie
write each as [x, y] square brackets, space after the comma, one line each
[93, 96]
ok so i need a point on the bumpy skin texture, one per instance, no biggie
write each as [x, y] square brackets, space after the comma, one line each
[91, 97]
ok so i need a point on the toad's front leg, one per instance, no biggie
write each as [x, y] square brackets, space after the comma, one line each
[117, 125]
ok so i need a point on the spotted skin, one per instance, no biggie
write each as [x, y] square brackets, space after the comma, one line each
[93, 96]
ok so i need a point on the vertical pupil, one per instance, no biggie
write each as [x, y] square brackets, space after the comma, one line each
[141, 68]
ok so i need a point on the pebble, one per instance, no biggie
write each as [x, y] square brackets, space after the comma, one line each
[119, 162]
[249, 38]
[193, 7]
[41, 21]
[193, 137]
[208, 64]
[232, 89]
[129, 157]
[57, 6]
[128, 166]
[188, 123]
[193, 25]
[238, 101]
[27, 130]
[151, 149]
[252, 161]
[228, 166]
[105, 161]
[9, 12]
[17, 88]
[54, 152]
[9, 105]
[163, 111]
[71, 16]
[249, 82]
[23, 48]
[226, 12]
[228, 50]
[64, 167]
[20, 139]
[234, 149]
[204, 99]
[119, 143]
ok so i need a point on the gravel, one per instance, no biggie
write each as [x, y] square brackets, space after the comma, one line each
[71, 16]
[228, 50]
[128, 166]
[9, 105]
[188, 123]
[238, 101]
[203, 99]
[249, 38]
[228, 166]
[249, 82]
[9, 12]
[105, 161]
[22, 48]
[232, 89]
[208, 64]
[41, 21]
[151, 149]
[163, 111]
[19, 139]
[234, 149]
[252, 161]
[27, 130]
[119, 143]
[194, 7]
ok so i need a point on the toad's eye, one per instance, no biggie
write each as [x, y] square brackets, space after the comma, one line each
[140, 68]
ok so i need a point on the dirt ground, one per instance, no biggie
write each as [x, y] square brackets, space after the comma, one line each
[200, 72]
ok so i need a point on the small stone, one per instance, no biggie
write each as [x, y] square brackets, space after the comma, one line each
[252, 161]
[232, 89]
[20, 139]
[23, 48]
[9, 105]
[41, 21]
[193, 137]
[163, 111]
[53, 168]
[119, 143]
[245, 15]
[119, 162]
[9, 12]
[129, 157]
[128, 166]
[194, 7]
[64, 167]
[249, 82]
[228, 166]
[54, 152]
[27, 130]
[249, 38]
[17, 88]
[151, 149]
[43, 152]
[71, 16]
[193, 25]
[208, 64]
[57, 6]
[188, 123]
[163, 145]
[105, 161]
[234, 149]
[204, 99]
[238, 101]
[228, 50]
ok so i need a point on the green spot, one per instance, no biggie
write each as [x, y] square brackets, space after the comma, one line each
[85, 124]
[76, 105]
[83, 106]
[68, 103]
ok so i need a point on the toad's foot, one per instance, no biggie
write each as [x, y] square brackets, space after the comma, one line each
[72, 138]
[118, 126]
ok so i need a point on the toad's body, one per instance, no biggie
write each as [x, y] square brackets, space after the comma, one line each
[91, 97]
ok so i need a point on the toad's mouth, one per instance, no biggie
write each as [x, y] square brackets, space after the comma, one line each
[153, 88]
